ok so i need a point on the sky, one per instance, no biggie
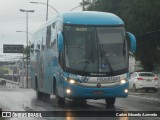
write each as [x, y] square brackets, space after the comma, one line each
[12, 20]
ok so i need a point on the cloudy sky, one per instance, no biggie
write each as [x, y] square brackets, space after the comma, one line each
[12, 20]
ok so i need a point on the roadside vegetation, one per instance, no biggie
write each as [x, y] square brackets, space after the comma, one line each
[141, 17]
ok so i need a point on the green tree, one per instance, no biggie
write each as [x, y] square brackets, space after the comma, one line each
[141, 17]
[25, 52]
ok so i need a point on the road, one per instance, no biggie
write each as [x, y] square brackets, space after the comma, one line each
[13, 98]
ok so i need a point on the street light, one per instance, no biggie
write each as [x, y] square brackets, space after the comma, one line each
[47, 7]
[26, 11]
[28, 33]
[25, 32]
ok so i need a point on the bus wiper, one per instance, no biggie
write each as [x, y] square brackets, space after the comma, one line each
[105, 58]
[89, 59]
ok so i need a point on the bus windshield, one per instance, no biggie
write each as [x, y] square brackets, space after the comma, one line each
[95, 49]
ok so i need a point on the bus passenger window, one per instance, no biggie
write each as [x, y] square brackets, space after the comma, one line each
[38, 46]
[53, 34]
[42, 45]
[53, 25]
[32, 48]
[48, 36]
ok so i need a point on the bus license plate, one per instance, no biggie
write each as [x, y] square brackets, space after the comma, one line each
[98, 92]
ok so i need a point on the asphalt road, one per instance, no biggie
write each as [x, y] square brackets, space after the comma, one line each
[13, 98]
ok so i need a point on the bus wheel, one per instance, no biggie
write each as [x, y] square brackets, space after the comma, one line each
[60, 100]
[36, 83]
[110, 102]
[83, 102]
[40, 95]
[146, 90]
[79, 101]
[155, 90]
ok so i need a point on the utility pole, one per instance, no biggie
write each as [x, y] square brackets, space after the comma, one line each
[26, 11]
[47, 11]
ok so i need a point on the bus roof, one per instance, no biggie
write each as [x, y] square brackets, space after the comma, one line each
[91, 18]
[86, 18]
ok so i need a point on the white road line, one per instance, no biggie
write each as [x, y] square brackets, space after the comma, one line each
[146, 97]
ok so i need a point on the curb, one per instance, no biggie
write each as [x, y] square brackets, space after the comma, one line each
[10, 81]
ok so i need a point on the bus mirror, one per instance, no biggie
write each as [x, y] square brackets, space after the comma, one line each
[132, 41]
[60, 42]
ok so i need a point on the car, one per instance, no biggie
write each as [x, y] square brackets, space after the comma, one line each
[143, 80]
[2, 82]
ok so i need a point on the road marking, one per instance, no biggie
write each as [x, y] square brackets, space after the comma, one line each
[145, 97]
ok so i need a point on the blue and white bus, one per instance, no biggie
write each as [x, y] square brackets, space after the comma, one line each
[80, 56]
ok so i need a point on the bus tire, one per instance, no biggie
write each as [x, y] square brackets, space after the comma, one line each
[81, 102]
[36, 83]
[110, 101]
[60, 100]
[39, 95]
[155, 90]
[146, 90]
[54, 86]
[46, 96]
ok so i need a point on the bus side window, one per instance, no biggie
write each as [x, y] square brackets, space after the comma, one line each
[53, 34]
[38, 46]
[59, 26]
[35, 44]
[48, 37]
[32, 48]
[42, 45]
[43, 38]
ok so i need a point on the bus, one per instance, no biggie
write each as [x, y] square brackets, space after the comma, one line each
[81, 55]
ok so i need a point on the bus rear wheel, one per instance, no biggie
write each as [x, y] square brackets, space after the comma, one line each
[79, 101]
[60, 100]
[41, 95]
[110, 102]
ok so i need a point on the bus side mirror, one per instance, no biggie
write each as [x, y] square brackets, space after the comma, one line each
[60, 42]
[132, 42]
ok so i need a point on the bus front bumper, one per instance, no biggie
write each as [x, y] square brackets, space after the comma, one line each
[75, 91]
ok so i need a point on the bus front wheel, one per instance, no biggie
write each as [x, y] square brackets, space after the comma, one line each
[60, 100]
[110, 101]
[44, 96]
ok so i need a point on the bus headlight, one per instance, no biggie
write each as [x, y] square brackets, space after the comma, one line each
[122, 81]
[68, 91]
[71, 81]
[126, 90]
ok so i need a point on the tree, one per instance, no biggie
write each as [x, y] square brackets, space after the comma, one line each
[25, 52]
[141, 18]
